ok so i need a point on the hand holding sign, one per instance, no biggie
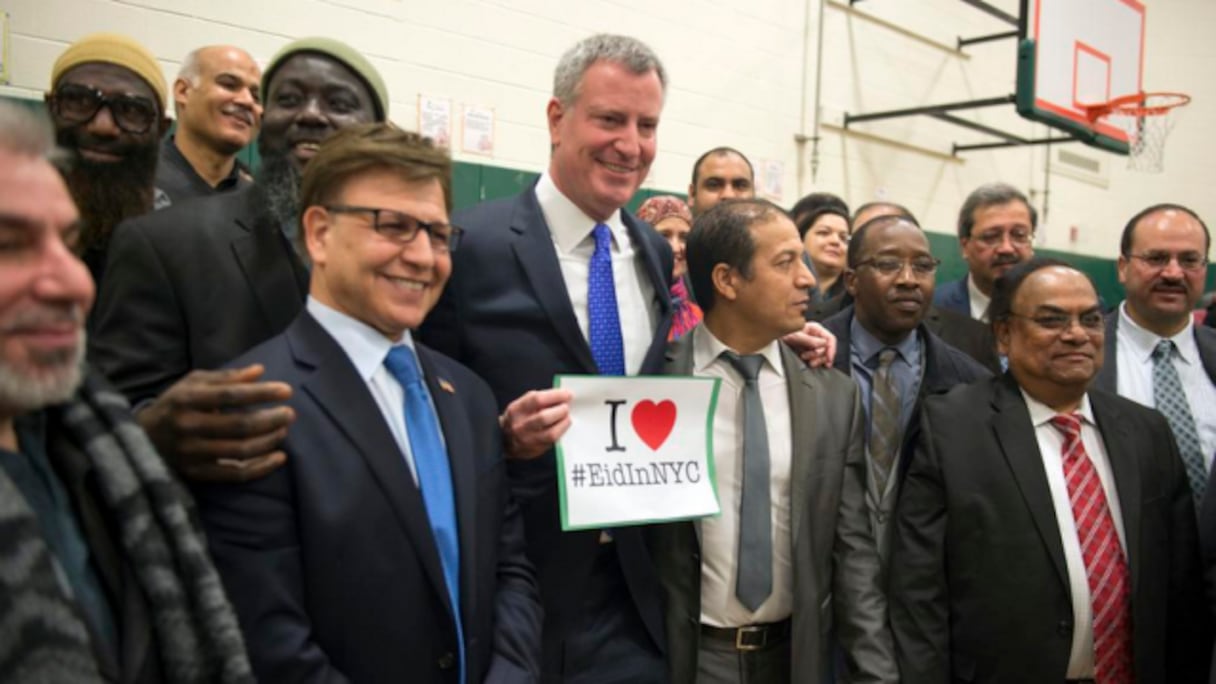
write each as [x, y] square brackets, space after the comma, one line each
[533, 423]
[657, 465]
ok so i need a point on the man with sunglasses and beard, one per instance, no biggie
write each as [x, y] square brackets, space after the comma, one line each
[107, 102]
[193, 286]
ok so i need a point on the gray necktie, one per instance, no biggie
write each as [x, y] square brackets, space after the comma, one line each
[885, 424]
[1171, 401]
[755, 559]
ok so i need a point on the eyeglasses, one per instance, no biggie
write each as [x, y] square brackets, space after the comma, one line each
[993, 238]
[403, 228]
[74, 104]
[889, 266]
[1091, 321]
[1187, 261]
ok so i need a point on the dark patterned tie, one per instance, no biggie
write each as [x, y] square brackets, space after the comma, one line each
[1171, 401]
[885, 424]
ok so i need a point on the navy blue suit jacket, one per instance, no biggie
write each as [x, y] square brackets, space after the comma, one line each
[506, 314]
[953, 296]
[330, 560]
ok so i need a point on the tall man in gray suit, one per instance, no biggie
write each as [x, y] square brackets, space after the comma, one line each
[763, 594]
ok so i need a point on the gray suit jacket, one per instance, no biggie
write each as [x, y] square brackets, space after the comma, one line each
[836, 568]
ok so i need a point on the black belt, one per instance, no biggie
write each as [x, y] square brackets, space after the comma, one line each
[1078, 681]
[748, 637]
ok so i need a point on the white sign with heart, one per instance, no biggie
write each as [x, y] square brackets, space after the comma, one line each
[639, 450]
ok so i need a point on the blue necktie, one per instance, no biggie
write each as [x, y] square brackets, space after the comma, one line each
[434, 474]
[604, 319]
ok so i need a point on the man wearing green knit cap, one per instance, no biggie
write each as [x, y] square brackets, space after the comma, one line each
[107, 101]
[193, 286]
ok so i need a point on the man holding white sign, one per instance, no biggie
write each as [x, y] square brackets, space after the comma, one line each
[752, 590]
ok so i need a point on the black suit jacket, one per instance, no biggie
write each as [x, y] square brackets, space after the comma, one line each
[982, 591]
[192, 286]
[330, 560]
[506, 314]
[944, 367]
[1108, 379]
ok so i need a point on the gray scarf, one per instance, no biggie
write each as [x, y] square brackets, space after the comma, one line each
[43, 637]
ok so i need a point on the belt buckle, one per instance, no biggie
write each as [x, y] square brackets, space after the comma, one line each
[741, 645]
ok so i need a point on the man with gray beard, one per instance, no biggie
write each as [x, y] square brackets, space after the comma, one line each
[103, 575]
[195, 285]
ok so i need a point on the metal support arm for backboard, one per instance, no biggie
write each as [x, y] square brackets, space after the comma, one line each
[941, 112]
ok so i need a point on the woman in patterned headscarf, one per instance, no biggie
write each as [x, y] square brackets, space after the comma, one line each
[670, 216]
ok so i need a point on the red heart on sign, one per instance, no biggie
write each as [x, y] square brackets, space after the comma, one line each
[653, 422]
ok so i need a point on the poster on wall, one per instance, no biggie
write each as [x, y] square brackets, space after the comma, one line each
[773, 172]
[435, 119]
[477, 132]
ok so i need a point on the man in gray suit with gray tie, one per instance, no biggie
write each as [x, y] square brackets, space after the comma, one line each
[789, 569]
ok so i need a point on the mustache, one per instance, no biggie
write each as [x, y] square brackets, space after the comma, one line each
[43, 315]
[239, 110]
[1006, 259]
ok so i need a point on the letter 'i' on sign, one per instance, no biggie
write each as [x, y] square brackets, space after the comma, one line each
[639, 450]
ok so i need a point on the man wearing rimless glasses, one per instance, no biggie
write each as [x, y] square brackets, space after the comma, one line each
[995, 233]
[107, 102]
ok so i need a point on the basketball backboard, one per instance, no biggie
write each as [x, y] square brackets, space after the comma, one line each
[1074, 53]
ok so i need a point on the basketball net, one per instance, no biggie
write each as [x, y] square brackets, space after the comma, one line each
[1147, 118]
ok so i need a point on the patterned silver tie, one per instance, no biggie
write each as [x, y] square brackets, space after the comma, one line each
[1171, 402]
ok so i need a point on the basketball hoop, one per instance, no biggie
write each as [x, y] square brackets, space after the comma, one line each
[1147, 118]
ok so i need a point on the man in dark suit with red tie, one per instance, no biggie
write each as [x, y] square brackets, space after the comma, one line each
[1045, 531]
[387, 548]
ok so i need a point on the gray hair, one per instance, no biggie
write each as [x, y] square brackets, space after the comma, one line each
[191, 67]
[27, 133]
[987, 195]
[632, 53]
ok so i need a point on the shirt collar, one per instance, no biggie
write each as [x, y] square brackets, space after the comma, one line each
[1144, 341]
[706, 349]
[976, 295]
[1041, 413]
[568, 224]
[866, 346]
[364, 345]
[170, 148]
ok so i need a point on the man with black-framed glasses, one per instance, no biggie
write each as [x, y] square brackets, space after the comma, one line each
[107, 102]
[884, 345]
[387, 548]
[996, 227]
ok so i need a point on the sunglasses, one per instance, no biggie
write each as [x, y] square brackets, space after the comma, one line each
[75, 104]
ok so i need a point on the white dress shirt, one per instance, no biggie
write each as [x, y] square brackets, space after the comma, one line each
[635, 294]
[1051, 443]
[1134, 356]
[979, 301]
[720, 535]
[367, 348]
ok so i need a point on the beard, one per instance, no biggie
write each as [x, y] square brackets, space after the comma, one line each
[48, 376]
[108, 193]
[278, 182]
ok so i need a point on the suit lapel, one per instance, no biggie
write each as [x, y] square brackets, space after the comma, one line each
[803, 412]
[337, 388]
[457, 438]
[678, 361]
[662, 291]
[1125, 466]
[273, 279]
[1015, 435]
[536, 255]
[1108, 378]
